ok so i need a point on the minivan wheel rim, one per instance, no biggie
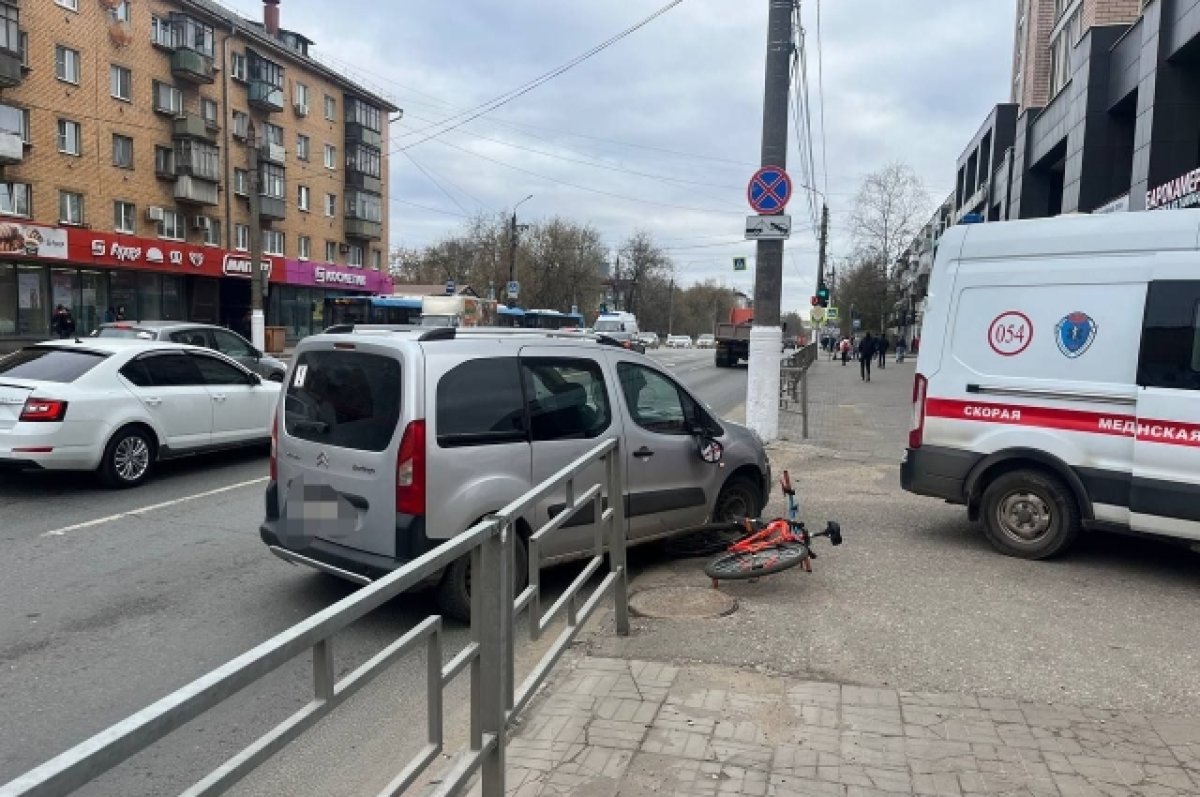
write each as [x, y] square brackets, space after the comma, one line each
[131, 458]
[735, 504]
[1024, 517]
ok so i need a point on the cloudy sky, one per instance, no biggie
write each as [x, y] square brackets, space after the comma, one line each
[680, 99]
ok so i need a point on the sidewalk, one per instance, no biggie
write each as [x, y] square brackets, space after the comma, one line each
[612, 727]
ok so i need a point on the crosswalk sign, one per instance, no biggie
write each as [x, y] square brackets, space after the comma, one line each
[739, 264]
[832, 314]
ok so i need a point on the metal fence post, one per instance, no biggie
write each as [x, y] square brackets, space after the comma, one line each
[616, 540]
[804, 402]
[488, 713]
[508, 531]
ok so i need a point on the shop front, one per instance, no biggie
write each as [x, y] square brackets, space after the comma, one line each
[298, 304]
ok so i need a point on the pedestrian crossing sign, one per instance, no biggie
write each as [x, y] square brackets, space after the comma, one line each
[832, 314]
[739, 264]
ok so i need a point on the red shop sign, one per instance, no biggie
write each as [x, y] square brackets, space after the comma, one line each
[152, 254]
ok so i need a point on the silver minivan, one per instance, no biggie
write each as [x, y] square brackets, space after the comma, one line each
[389, 442]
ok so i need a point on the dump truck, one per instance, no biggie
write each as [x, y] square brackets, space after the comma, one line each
[733, 338]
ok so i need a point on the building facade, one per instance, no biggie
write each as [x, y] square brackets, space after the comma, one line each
[132, 134]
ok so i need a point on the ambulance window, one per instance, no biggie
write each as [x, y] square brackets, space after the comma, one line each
[1171, 337]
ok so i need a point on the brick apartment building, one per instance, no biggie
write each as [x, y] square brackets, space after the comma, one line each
[125, 128]
[1103, 116]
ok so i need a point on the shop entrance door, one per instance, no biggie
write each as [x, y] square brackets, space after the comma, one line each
[235, 305]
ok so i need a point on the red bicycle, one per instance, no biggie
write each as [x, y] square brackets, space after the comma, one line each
[770, 546]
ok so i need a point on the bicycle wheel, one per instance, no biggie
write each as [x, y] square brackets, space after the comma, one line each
[733, 566]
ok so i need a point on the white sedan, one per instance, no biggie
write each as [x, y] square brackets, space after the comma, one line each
[120, 406]
[679, 342]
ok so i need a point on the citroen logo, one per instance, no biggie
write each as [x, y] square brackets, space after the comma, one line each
[323, 460]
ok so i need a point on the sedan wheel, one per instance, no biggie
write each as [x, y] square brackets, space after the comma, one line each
[128, 459]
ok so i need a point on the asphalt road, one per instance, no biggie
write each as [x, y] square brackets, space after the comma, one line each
[114, 599]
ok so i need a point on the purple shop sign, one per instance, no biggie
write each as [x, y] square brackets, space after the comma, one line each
[324, 275]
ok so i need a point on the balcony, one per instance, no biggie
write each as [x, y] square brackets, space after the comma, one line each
[357, 133]
[195, 191]
[361, 228]
[192, 126]
[271, 207]
[273, 153]
[362, 181]
[192, 66]
[265, 96]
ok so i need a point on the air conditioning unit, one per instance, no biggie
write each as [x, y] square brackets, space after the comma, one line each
[301, 109]
[344, 248]
[155, 214]
[202, 223]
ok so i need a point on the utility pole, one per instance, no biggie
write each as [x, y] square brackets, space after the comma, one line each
[766, 336]
[258, 332]
[514, 230]
[671, 307]
[823, 246]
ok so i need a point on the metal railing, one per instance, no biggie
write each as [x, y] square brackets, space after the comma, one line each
[793, 383]
[489, 654]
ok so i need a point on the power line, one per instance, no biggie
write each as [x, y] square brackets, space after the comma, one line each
[433, 180]
[821, 98]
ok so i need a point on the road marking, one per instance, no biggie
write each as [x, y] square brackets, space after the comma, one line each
[153, 507]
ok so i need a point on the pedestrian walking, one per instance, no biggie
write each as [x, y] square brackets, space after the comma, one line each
[120, 313]
[62, 324]
[882, 346]
[110, 315]
[900, 348]
[866, 355]
[844, 346]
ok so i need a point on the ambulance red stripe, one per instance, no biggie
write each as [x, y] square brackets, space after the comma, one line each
[1102, 423]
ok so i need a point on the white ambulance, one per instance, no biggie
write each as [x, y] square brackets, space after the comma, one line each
[1058, 382]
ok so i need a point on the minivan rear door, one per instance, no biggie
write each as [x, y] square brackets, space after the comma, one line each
[339, 431]
[1165, 495]
[571, 410]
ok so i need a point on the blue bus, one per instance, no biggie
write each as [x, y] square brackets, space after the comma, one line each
[538, 319]
[373, 310]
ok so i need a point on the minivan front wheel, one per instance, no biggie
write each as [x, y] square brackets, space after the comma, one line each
[1030, 514]
[739, 498]
[454, 590]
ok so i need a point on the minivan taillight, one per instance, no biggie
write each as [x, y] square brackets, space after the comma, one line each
[40, 410]
[916, 433]
[274, 465]
[410, 470]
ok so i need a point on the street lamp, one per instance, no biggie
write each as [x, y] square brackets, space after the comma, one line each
[513, 231]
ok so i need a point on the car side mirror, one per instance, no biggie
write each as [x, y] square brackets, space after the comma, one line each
[254, 380]
[710, 450]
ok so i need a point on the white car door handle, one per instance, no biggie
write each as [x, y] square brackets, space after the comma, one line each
[219, 397]
[154, 401]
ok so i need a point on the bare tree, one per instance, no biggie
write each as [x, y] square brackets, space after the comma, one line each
[889, 210]
[642, 260]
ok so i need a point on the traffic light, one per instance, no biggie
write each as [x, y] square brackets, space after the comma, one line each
[815, 301]
[822, 297]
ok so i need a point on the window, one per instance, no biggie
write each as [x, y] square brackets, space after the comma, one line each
[305, 244]
[11, 35]
[124, 217]
[15, 120]
[173, 226]
[331, 248]
[198, 158]
[272, 242]
[468, 416]
[69, 137]
[14, 199]
[23, 40]
[272, 134]
[363, 159]
[45, 364]
[122, 151]
[72, 5]
[241, 237]
[366, 115]
[265, 71]
[330, 156]
[121, 11]
[330, 108]
[66, 64]
[160, 32]
[219, 372]
[1171, 337]
[212, 232]
[231, 345]
[331, 204]
[355, 257]
[347, 399]
[189, 34]
[164, 370]
[300, 95]
[1060, 51]
[164, 161]
[376, 259]
[654, 401]
[237, 66]
[241, 182]
[567, 399]
[303, 146]
[167, 99]
[270, 180]
[120, 81]
[367, 207]
[241, 125]
[302, 197]
[70, 207]
[210, 112]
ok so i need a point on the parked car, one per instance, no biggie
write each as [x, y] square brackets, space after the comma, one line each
[706, 341]
[679, 342]
[119, 406]
[649, 340]
[209, 336]
[408, 439]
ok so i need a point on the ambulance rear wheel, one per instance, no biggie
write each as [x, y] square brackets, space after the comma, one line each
[1030, 514]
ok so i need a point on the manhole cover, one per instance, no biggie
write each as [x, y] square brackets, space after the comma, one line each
[682, 602]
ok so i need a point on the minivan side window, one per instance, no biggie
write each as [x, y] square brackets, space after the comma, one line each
[480, 402]
[567, 399]
[654, 402]
[1171, 336]
[344, 399]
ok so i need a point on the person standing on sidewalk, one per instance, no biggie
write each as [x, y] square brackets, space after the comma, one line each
[882, 346]
[844, 347]
[866, 355]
